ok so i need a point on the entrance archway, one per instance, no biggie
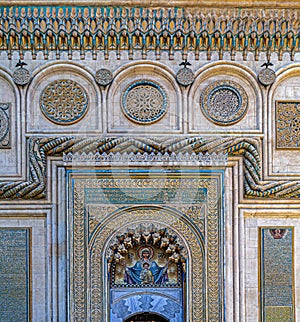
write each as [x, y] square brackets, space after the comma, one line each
[146, 317]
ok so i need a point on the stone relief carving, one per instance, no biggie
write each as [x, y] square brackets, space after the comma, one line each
[144, 102]
[131, 29]
[5, 125]
[185, 76]
[224, 102]
[266, 76]
[64, 102]
[247, 148]
[103, 77]
[21, 76]
[287, 124]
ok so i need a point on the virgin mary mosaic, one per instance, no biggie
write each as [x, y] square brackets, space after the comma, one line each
[155, 261]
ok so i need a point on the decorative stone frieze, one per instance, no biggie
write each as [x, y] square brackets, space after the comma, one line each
[144, 102]
[224, 102]
[247, 148]
[5, 125]
[64, 102]
[60, 29]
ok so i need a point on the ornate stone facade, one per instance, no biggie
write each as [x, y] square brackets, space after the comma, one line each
[149, 161]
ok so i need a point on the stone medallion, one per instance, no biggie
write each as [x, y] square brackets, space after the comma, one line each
[103, 77]
[64, 102]
[267, 76]
[21, 76]
[144, 102]
[224, 102]
[185, 76]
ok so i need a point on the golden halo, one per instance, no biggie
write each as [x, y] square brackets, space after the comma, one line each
[142, 248]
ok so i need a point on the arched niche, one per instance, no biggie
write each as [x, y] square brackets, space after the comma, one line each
[283, 120]
[10, 126]
[167, 300]
[217, 75]
[89, 123]
[152, 76]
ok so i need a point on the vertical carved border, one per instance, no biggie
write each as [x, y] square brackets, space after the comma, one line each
[276, 274]
[16, 278]
[5, 124]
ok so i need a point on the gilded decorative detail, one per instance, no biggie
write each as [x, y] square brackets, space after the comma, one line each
[60, 29]
[247, 148]
[103, 77]
[287, 124]
[224, 102]
[144, 102]
[5, 125]
[276, 274]
[64, 102]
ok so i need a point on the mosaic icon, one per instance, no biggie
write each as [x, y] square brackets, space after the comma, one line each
[103, 77]
[144, 102]
[64, 102]
[224, 102]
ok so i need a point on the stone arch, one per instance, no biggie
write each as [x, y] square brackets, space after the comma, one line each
[55, 72]
[283, 123]
[170, 218]
[146, 71]
[224, 72]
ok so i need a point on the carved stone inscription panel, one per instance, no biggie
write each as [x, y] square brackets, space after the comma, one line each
[107, 205]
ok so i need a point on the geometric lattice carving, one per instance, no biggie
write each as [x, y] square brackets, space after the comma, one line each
[4, 125]
[224, 102]
[287, 124]
[144, 102]
[64, 102]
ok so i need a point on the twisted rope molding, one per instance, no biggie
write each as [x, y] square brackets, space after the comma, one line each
[247, 148]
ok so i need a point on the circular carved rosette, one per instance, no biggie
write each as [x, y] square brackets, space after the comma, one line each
[224, 102]
[64, 102]
[144, 102]
[185, 76]
[103, 77]
[267, 77]
[21, 76]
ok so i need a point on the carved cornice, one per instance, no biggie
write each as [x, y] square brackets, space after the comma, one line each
[105, 29]
[247, 148]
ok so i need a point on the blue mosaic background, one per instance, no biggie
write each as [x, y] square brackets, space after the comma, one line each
[277, 275]
[14, 275]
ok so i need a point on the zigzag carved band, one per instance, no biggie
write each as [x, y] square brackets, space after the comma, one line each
[247, 148]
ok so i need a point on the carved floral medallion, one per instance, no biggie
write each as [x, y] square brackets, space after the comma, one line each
[64, 102]
[144, 102]
[224, 102]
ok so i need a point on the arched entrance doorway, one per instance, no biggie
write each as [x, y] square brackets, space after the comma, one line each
[146, 317]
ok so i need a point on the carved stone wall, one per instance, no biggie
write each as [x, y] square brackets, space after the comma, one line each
[141, 90]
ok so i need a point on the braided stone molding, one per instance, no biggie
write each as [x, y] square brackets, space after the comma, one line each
[104, 29]
[248, 148]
